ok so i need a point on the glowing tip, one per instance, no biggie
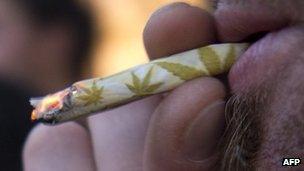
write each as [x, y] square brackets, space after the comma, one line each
[34, 115]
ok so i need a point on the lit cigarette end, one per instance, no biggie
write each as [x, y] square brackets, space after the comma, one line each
[34, 115]
[35, 101]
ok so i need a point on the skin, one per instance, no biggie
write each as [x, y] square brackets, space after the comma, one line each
[181, 130]
[24, 44]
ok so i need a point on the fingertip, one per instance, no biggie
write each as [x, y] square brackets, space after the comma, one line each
[183, 110]
[194, 95]
[42, 133]
[51, 147]
[176, 28]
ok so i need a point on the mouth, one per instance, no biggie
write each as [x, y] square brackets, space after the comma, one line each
[229, 79]
[269, 27]
[265, 59]
[258, 62]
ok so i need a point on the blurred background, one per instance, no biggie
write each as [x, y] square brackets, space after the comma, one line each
[122, 23]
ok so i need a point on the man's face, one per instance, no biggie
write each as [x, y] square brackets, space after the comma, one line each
[266, 110]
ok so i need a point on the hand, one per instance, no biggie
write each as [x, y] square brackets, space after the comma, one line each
[182, 130]
[179, 130]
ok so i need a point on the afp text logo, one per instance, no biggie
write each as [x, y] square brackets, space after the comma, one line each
[291, 162]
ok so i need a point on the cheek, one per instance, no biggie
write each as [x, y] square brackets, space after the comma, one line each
[283, 124]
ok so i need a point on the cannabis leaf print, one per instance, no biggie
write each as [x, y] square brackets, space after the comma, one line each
[182, 71]
[230, 58]
[208, 57]
[141, 88]
[92, 95]
[211, 60]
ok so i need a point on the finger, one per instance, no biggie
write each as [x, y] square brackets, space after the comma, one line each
[237, 20]
[118, 135]
[63, 147]
[173, 29]
[176, 28]
[186, 128]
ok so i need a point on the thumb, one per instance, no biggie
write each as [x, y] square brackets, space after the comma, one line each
[186, 128]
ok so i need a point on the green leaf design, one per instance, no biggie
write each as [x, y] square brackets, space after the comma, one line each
[182, 71]
[140, 88]
[147, 78]
[211, 60]
[86, 90]
[132, 88]
[92, 95]
[136, 81]
[153, 87]
[230, 58]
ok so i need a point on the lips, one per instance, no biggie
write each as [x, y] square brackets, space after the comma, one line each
[236, 21]
[244, 72]
[265, 58]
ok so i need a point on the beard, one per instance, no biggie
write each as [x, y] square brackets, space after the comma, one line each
[242, 138]
[265, 123]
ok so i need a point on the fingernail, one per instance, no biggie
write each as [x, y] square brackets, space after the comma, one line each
[204, 133]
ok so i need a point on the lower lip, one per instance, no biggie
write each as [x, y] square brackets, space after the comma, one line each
[239, 72]
[262, 60]
[251, 67]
